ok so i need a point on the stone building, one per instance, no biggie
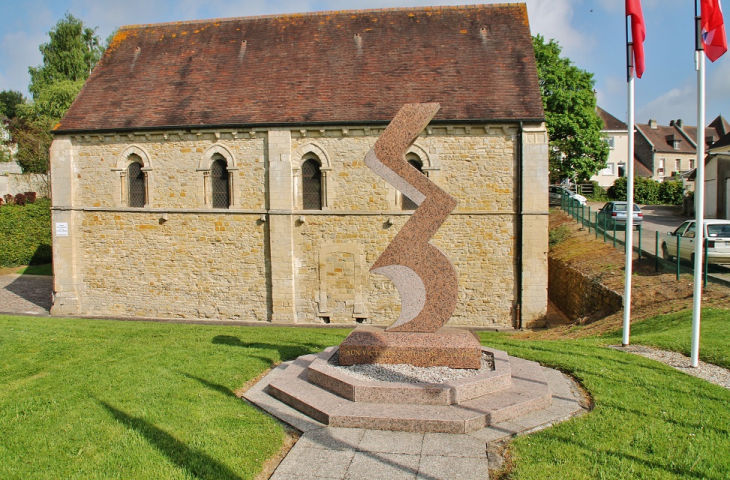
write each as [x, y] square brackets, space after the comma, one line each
[215, 169]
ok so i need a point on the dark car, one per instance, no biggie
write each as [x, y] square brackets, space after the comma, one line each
[615, 213]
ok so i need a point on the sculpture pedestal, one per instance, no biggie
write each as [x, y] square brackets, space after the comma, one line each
[447, 347]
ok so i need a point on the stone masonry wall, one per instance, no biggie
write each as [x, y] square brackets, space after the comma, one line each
[577, 295]
[267, 259]
[189, 266]
[479, 246]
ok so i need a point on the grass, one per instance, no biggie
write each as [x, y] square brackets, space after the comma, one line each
[674, 332]
[102, 399]
[46, 269]
[649, 421]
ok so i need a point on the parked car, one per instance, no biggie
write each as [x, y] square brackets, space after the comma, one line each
[717, 233]
[557, 192]
[615, 213]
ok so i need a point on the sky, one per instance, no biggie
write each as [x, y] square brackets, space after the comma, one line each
[591, 33]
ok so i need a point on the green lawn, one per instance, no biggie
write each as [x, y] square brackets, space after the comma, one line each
[650, 420]
[674, 332]
[104, 399]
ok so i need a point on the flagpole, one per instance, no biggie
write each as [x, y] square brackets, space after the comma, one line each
[629, 195]
[699, 195]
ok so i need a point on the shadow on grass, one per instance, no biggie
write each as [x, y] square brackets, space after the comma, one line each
[213, 386]
[194, 462]
[286, 352]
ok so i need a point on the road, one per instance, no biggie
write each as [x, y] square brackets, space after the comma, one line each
[662, 219]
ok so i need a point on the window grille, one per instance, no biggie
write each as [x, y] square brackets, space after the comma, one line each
[407, 203]
[137, 190]
[220, 184]
[311, 186]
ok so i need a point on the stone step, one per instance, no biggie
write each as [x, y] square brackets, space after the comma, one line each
[528, 392]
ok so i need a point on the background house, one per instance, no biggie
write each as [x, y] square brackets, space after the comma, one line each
[214, 169]
[717, 179]
[670, 152]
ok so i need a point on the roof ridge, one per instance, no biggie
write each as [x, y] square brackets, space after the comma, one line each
[327, 12]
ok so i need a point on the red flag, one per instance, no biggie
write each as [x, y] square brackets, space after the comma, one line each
[638, 34]
[713, 29]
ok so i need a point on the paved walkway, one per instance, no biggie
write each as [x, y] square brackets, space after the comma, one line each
[360, 454]
[25, 294]
[353, 453]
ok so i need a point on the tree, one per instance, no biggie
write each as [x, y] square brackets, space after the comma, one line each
[71, 54]
[68, 58]
[577, 148]
[9, 101]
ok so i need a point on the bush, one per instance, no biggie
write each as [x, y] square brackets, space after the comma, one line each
[30, 197]
[671, 192]
[599, 193]
[20, 199]
[8, 199]
[648, 191]
[25, 234]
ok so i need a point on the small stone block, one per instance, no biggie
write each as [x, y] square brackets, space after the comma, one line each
[448, 347]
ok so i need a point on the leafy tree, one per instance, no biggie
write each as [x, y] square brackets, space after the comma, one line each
[33, 138]
[68, 58]
[577, 148]
[9, 101]
[71, 54]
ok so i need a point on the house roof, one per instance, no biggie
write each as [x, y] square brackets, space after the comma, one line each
[662, 138]
[641, 170]
[610, 122]
[723, 143]
[720, 125]
[345, 67]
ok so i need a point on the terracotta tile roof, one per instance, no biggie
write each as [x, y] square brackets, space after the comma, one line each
[610, 122]
[332, 67]
[662, 138]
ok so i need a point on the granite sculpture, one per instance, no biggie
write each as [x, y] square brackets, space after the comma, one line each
[425, 278]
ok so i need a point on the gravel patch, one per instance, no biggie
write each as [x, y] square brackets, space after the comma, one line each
[402, 372]
[706, 371]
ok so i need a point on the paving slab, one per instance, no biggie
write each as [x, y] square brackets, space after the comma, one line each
[383, 441]
[436, 467]
[391, 466]
[445, 445]
[309, 462]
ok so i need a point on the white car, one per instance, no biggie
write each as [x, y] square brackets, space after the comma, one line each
[717, 233]
[557, 192]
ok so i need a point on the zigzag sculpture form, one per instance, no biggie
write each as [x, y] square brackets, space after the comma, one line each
[425, 278]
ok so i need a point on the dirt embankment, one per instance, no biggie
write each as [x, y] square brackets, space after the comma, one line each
[653, 293]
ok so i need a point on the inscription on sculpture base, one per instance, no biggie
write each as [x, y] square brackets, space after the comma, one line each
[447, 347]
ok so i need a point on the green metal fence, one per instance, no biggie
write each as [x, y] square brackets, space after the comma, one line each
[612, 231]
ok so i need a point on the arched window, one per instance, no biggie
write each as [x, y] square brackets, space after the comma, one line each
[220, 184]
[407, 203]
[311, 185]
[137, 188]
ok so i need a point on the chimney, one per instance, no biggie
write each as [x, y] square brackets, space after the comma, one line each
[680, 123]
[671, 123]
[652, 124]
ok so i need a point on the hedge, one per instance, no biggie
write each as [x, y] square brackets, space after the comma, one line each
[25, 234]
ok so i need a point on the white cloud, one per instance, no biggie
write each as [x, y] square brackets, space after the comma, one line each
[680, 102]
